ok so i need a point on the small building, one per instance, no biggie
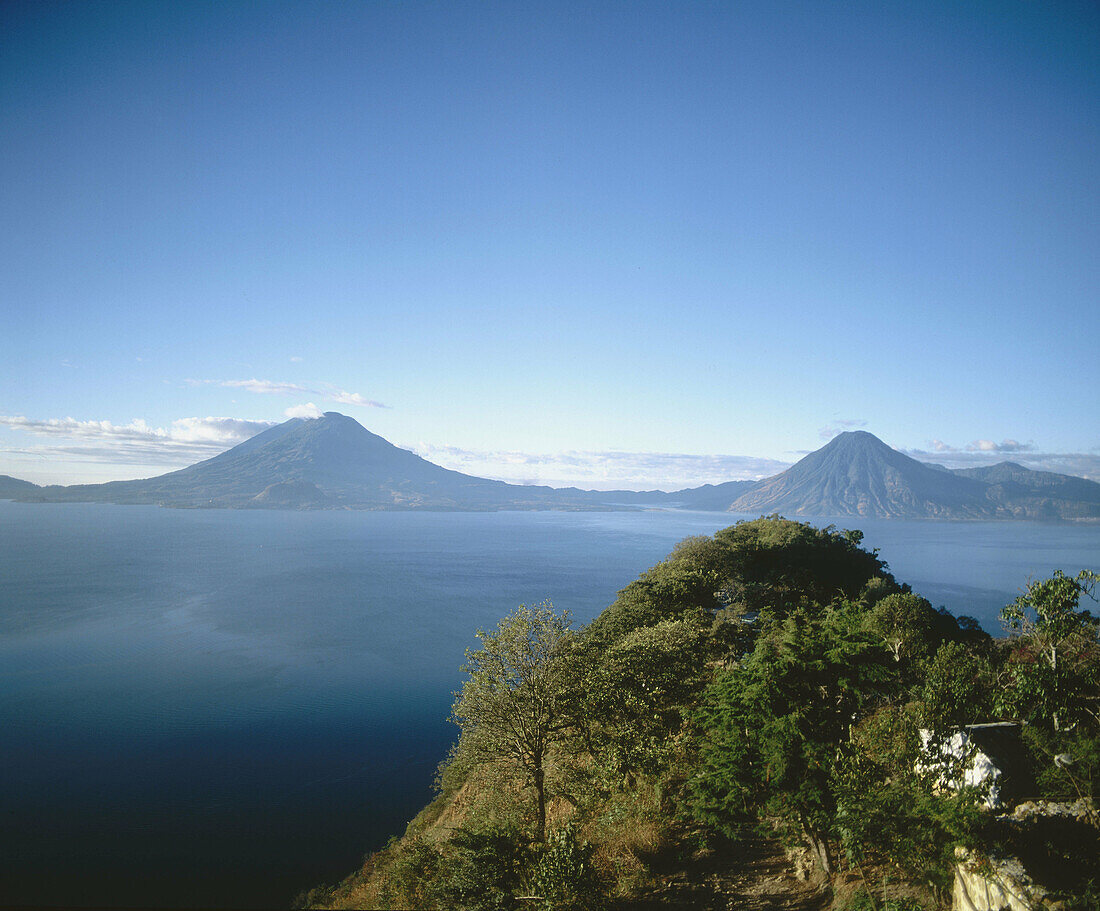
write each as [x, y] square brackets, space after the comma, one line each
[989, 756]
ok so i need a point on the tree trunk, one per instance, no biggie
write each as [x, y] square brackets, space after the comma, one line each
[1054, 667]
[540, 798]
[820, 846]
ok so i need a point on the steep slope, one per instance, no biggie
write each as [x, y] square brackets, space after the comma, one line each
[856, 474]
[334, 462]
[329, 461]
[1015, 491]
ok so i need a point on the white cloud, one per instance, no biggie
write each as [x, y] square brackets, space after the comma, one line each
[601, 470]
[269, 387]
[837, 427]
[351, 398]
[184, 430]
[295, 359]
[1003, 446]
[216, 431]
[184, 442]
[308, 410]
[266, 387]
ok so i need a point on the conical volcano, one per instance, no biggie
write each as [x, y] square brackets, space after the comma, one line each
[329, 462]
[333, 452]
[856, 474]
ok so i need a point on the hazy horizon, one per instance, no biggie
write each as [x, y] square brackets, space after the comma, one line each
[606, 471]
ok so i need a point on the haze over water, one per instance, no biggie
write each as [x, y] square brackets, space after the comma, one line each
[225, 707]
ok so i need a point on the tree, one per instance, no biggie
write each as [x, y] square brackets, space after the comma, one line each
[905, 622]
[776, 564]
[770, 730]
[957, 688]
[634, 692]
[888, 805]
[688, 580]
[511, 708]
[1053, 669]
[770, 564]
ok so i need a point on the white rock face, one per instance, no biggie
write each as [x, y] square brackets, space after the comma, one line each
[1003, 886]
[957, 752]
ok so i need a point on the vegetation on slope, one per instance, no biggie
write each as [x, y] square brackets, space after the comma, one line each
[773, 680]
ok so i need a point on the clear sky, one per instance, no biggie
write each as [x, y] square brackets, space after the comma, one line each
[623, 244]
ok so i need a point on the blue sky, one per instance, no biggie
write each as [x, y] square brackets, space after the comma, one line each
[621, 244]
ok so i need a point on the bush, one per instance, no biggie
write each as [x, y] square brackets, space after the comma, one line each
[564, 878]
[862, 901]
[481, 870]
[406, 881]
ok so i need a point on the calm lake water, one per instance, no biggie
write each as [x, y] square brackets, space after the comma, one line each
[222, 708]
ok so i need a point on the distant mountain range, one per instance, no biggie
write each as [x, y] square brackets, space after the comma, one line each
[333, 462]
[856, 474]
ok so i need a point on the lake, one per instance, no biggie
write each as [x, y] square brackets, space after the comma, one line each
[222, 708]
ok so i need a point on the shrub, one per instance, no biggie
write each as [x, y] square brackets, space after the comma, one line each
[481, 870]
[564, 878]
[862, 901]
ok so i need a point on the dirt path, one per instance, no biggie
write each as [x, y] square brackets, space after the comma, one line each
[756, 876]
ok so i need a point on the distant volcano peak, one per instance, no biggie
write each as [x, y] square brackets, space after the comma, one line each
[856, 473]
[852, 438]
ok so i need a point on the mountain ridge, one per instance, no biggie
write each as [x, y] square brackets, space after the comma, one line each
[333, 462]
[856, 474]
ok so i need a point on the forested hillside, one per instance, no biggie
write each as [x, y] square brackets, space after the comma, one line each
[768, 692]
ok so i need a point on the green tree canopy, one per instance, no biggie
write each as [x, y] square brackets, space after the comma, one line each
[635, 692]
[512, 706]
[888, 807]
[776, 564]
[1053, 677]
[905, 622]
[770, 564]
[957, 688]
[769, 730]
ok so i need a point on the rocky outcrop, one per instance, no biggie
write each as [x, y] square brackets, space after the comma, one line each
[1034, 877]
[985, 756]
[984, 884]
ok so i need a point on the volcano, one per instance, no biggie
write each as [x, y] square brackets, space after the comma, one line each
[333, 462]
[856, 474]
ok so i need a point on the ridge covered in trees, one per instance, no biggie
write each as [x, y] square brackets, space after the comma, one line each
[773, 680]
